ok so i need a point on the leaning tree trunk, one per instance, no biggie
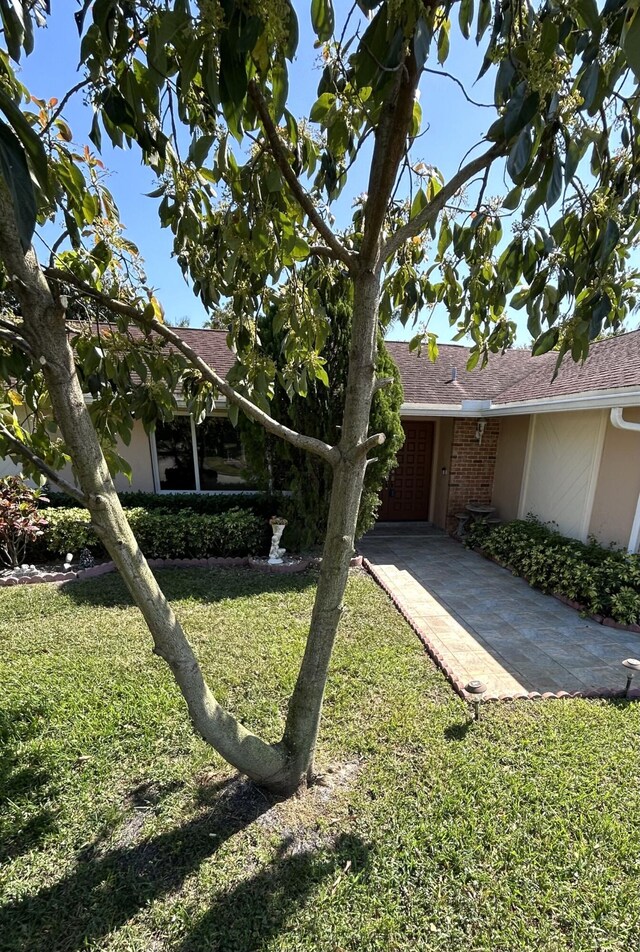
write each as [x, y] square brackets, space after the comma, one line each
[45, 329]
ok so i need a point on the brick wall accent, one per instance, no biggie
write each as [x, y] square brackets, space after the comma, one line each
[472, 466]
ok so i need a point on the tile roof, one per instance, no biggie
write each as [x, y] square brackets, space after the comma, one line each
[512, 377]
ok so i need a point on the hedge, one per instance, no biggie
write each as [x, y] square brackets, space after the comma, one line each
[162, 533]
[264, 505]
[603, 581]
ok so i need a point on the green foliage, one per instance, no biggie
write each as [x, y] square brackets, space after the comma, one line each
[604, 581]
[566, 130]
[163, 533]
[319, 413]
[20, 521]
[211, 504]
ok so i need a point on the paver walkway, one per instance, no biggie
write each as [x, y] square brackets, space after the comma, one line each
[485, 623]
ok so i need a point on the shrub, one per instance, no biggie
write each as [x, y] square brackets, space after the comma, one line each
[20, 521]
[163, 533]
[604, 581]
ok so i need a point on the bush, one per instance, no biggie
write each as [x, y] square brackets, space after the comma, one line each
[604, 581]
[163, 533]
[20, 521]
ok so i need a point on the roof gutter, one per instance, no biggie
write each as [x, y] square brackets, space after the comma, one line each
[617, 420]
[594, 400]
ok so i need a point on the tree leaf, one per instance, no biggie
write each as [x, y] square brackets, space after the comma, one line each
[520, 154]
[322, 19]
[280, 87]
[546, 342]
[321, 107]
[465, 17]
[15, 172]
[520, 112]
[443, 43]
[554, 188]
[421, 42]
[631, 43]
[419, 202]
[484, 19]
[29, 138]
[609, 241]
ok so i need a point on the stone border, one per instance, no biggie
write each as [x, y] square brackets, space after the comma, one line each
[104, 568]
[458, 685]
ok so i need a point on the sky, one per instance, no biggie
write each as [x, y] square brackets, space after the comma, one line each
[453, 126]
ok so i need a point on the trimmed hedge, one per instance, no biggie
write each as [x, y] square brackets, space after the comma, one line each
[162, 533]
[603, 581]
[263, 505]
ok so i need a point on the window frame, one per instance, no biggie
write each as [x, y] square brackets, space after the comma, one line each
[194, 448]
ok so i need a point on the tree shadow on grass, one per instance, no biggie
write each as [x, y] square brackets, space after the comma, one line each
[107, 889]
[206, 585]
[26, 815]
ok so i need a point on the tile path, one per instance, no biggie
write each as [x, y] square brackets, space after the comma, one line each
[481, 622]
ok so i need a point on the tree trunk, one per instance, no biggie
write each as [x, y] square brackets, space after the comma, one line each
[282, 767]
[45, 328]
[305, 707]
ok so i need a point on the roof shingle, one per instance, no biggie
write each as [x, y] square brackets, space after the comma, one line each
[512, 377]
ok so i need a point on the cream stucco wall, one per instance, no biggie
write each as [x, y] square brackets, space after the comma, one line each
[138, 455]
[442, 454]
[618, 485]
[563, 457]
[510, 463]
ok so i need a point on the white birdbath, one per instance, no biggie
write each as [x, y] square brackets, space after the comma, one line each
[276, 552]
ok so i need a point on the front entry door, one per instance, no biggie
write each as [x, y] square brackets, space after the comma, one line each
[406, 494]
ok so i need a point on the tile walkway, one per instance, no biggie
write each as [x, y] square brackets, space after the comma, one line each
[481, 622]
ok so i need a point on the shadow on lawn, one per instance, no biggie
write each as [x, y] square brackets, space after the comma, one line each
[106, 890]
[206, 585]
[25, 783]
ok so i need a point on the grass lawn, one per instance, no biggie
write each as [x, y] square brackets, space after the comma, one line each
[121, 830]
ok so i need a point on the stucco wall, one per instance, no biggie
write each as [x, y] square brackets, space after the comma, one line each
[618, 485]
[444, 438]
[510, 462]
[563, 458]
[138, 455]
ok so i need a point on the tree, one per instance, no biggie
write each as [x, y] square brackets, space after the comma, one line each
[566, 132]
[318, 411]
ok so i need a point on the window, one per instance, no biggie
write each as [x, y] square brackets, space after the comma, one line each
[207, 457]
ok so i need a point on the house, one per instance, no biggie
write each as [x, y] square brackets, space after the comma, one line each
[509, 435]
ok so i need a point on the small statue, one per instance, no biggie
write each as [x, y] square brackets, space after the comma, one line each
[276, 552]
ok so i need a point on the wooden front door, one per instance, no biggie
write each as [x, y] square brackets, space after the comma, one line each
[406, 494]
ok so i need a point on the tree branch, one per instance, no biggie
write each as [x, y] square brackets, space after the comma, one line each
[299, 192]
[431, 211]
[388, 152]
[63, 102]
[440, 72]
[382, 382]
[308, 443]
[22, 450]
[376, 440]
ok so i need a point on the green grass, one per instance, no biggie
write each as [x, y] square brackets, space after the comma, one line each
[120, 830]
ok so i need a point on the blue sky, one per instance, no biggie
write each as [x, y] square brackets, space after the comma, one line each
[453, 127]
